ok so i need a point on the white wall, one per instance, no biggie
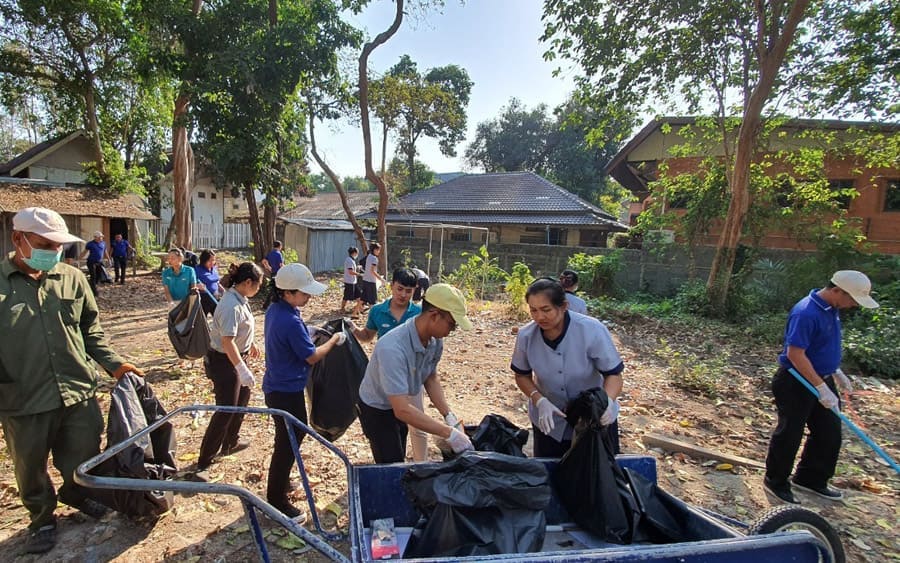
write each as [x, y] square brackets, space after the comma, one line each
[206, 201]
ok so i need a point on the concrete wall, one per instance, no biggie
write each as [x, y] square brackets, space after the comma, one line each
[644, 270]
[208, 208]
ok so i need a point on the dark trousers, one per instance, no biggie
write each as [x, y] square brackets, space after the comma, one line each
[799, 409]
[283, 454]
[545, 446]
[119, 264]
[270, 295]
[208, 302]
[224, 427]
[94, 274]
[386, 434]
[72, 434]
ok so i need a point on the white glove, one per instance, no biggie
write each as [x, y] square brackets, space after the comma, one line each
[171, 304]
[459, 442]
[828, 399]
[245, 376]
[546, 412]
[842, 381]
[610, 414]
[342, 338]
[453, 422]
[313, 331]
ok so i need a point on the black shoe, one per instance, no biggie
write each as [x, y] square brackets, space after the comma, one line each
[41, 540]
[239, 447]
[782, 492]
[291, 511]
[825, 492]
[92, 508]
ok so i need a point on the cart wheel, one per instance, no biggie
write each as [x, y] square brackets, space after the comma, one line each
[791, 518]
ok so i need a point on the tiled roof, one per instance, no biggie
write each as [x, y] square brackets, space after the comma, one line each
[506, 192]
[328, 206]
[81, 201]
[501, 198]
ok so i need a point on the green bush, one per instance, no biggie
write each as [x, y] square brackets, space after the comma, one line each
[517, 286]
[691, 373]
[693, 299]
[479, 276]
[597, 272]
[872, 336]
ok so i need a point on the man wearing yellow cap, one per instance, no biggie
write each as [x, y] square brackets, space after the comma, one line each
[812, 347]
[403, 362]
[51, 333]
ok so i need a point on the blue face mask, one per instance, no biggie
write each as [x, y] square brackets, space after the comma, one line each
[41, 259]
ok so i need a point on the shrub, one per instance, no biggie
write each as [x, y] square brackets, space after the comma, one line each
[518, 283]
[479, 275]
[290, 255]
[872, 336]
[690, 373]
[597, 272]
[693, 299]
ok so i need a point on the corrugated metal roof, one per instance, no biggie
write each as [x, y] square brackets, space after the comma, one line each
[80, 201]
[320, 224]
[584, 219]
[328, 206]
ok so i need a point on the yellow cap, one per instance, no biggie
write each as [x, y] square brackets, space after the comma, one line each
[448, 298]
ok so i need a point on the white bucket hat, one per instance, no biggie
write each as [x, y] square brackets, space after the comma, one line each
[297, 276]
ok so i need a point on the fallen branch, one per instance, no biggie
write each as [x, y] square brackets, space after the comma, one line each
[673, 445]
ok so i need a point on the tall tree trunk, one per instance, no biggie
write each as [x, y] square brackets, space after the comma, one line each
[259, 245]
[93, 125]
[182, 174]
[772, 45]
[182, 165]
[411, 166]
[376, 180]
[384, 138]
[338, 185]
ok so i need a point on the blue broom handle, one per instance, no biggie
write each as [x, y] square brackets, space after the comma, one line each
[848, 422]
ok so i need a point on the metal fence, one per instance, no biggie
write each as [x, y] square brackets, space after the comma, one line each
[210, 235]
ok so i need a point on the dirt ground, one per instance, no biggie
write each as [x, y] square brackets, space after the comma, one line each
[477, 381]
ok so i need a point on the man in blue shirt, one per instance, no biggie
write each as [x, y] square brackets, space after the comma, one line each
[273, 262]
[178, 280]
[812, 346]
[121, 250]
[96, 252]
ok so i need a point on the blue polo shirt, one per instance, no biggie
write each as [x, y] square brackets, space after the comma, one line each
[275, 260]
[96, 250]
[120, 248]
[209, 278]
[288, 345]
[179, 285]
[814, 326]
[381, 319]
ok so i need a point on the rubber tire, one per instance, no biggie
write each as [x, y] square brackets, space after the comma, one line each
[783, 518]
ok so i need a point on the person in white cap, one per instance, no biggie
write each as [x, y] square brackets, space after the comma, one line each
[290, 353]
[96, 252]
[51, 337]
[812, 347]
[403, 362]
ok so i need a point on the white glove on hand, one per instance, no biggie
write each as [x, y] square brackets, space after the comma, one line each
[245, 376]
[828, 399]
[459, 442]
[610, 414]
[342, 338]
[546, 411]
[843, 382]
[453, 422]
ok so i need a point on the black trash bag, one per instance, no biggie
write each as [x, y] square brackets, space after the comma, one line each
[132, 408]
[497, 434]
[481, 503]
[657, 524]
[333, 386]
[188, 329]
[589, 483]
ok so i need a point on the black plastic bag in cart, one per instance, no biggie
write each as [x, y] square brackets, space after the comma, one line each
[188, 330]
[588, 481]
[497, 434]
[481, 503]
[133, 407]
[333, 386]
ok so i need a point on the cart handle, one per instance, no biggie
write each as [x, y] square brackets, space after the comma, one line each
[249, 500]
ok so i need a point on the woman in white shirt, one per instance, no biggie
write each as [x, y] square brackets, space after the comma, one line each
[557, 356]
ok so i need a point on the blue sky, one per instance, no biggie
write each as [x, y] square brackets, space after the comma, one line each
[496, 41]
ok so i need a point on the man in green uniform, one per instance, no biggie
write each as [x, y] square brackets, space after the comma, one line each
[51, 331]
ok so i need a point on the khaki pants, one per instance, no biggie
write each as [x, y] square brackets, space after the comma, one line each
[72, 434]
[418, 439]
